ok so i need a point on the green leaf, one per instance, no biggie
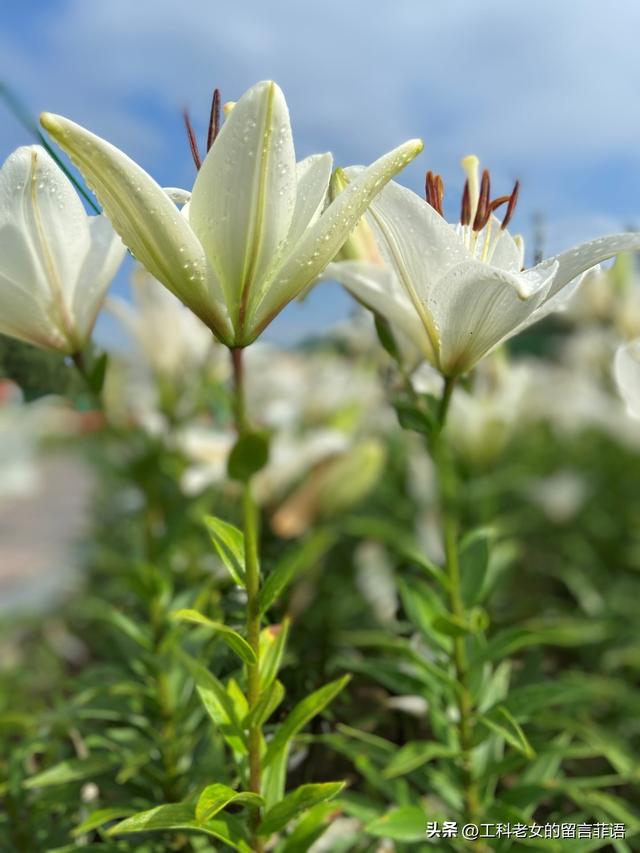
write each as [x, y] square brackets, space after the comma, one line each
[386, 336]
[416, 754]
[97, 373]
[218, 705]
[216, 797]
[308, 829]
[273, 640]
[274, 778]
[229, 543]
[502, 722]
[181, 816]
[249, 454]
[412, 416]
[265, 706]
[407, 823]
[125, 625]
[73, 770]
[300, 716]
[297, 801]
[296, 561]
[451, 626]
[235, 641]
[474, 562]
[100, 817]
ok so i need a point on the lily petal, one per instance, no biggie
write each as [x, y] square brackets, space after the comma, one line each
[379, 290]
[96, 274]
[575, 261]
[476, 307]
[146, 219]
[416, 243]
[244, 196]
[321, 242]
[313, 175]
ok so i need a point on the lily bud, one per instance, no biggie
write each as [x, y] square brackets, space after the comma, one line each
[334, 486]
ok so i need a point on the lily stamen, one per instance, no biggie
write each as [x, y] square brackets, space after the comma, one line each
[434, 191]
[214, 119]
[483, 210]
[465, 212]
[513, 199]
[193, 142]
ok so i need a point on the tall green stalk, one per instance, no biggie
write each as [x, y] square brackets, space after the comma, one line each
[448, 505]
[252, 581]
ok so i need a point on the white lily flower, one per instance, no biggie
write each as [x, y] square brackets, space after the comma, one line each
[458, 291]
[56, 262]
[626, 370]
[254, 234]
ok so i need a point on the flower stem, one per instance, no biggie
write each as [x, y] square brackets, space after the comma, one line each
[447, 482]
[252, 581]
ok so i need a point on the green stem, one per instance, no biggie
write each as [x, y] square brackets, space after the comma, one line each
[252, 579]
[448, 490]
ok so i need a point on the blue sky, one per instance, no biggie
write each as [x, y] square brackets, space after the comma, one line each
[546, 91]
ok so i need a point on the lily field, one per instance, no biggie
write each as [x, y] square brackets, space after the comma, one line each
[376, 590]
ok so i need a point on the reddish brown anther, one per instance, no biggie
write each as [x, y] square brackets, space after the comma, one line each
[465, 213]
[193, 142]
[498, 202]
[483, 211]
[513, 200]
[214, 119]
[434, 191]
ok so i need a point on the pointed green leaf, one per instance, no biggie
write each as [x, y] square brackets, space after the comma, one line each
[296, 561]
[474, 562]
[304, 711]
[297, 801]
[181, 816]
[502, 722]
[229, 543]
[235, 641]
[216, 797]
[218, 705]
[407, 823]
[415, 754]
[73, 770]
[273, 640]
[309, 828]
[266, 705]
[100, 817]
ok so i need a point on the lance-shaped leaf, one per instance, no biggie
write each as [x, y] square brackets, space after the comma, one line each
[304, 711]
[218, 705]
[229, 543]
[292, 564]
[224, 827]
[295, 803]
[235, 641]
[216, 797]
